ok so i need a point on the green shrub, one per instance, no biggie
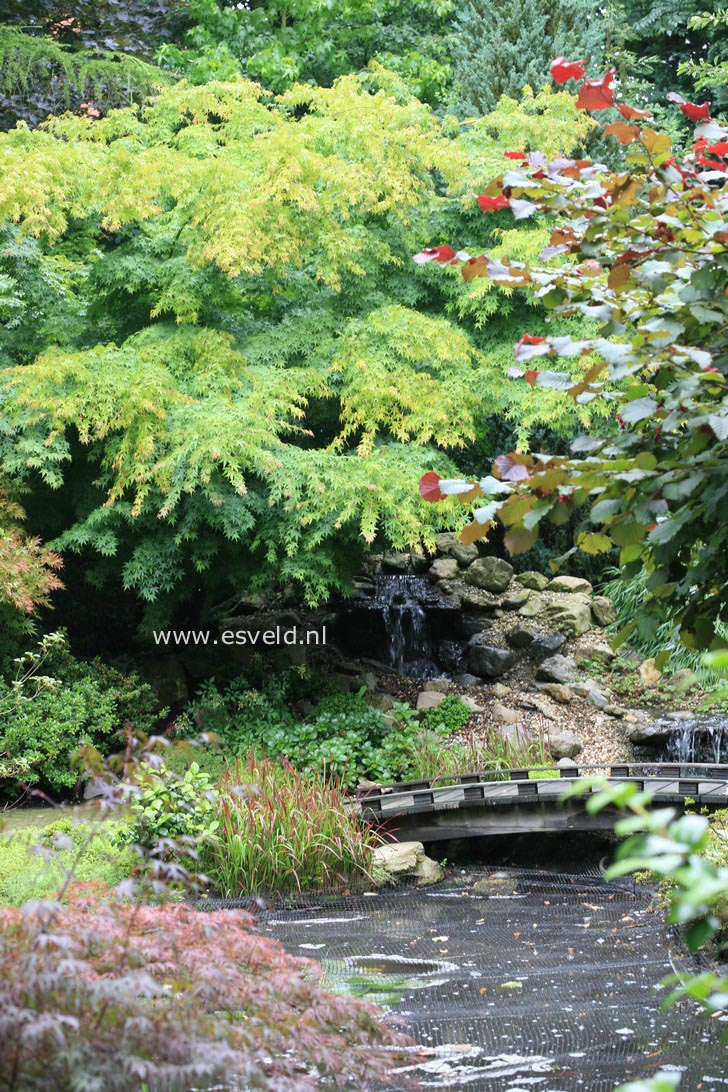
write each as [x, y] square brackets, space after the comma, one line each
[281, 830]
[55, 705]
[448, 717]
[34, 862]
[178, 806]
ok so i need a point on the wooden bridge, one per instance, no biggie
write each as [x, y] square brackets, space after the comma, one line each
[518, 801]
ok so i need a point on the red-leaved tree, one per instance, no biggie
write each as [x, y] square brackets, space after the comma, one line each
[641, 251]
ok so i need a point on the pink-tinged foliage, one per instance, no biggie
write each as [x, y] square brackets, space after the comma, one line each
[102, 993]
[28, 570]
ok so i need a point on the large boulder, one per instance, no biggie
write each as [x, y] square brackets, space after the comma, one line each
[400, 860]
[559, 669]
[534, 581]
[444, 568]
[488, 660]
[493, 574]
[569, 584]
[569, 614]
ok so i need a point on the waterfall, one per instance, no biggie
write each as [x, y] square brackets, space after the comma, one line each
[400, 599]
[700, 738]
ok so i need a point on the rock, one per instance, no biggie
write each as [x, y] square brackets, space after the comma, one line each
[559, 669]
[520, 637]
[487, 660]
[615, 711]
[515, 599]
[564, 743]
[445, 541]
[428, 871]
[504, 715]
[466, 680]
[429, 699]
[598, 651]
[595, 696]
[541, 705]
[472, 704]
[419, 563]
[341, 682]
[401, 859]
[475, 624]
[685, 679]
[558, 691]
[445, 568]
[493, 574]
[603, 611]
[440, 685]
[450, 545]
[368, 681]
[94, 787]
[567, 764]
[649, 674]
[648, 731]
[498, 690]
[396, 562]
[533, 606]
[548, 644]
[569, 584]
[569, 615]
[479, 599]
[533, 580]
[382, 702]
[464, 555]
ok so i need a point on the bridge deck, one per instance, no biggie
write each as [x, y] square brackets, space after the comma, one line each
[510, 801]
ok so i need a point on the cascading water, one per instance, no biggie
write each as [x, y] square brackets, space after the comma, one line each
[698, 738]
[400, 599]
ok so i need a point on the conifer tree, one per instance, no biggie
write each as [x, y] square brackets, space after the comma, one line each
[502, 45]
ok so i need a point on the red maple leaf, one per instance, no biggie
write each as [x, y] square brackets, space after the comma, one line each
[492, 204]
[596, 94]
[721, 148]
[563, 70]
[430, 487]
[515, 155]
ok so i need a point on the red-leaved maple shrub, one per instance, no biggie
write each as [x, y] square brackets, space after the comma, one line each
[101, 993]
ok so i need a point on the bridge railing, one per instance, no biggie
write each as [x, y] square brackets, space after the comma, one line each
[669, 781]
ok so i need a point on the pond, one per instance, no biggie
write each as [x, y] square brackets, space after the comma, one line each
[515, 979]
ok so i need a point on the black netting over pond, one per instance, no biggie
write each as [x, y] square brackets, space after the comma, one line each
[513, 979]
